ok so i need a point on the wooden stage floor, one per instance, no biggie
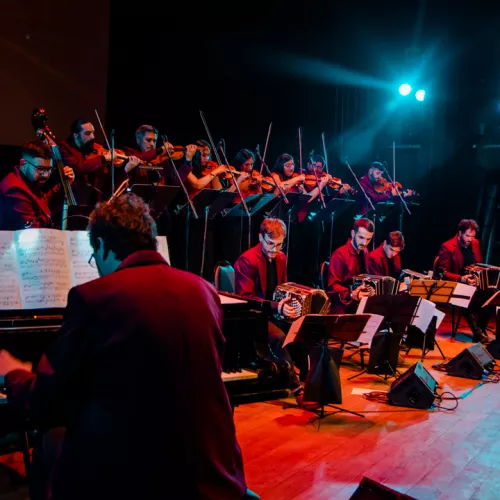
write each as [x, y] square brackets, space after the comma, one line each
[427, 454]
[433, 454]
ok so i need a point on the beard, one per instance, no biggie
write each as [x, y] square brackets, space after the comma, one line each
[88, 147]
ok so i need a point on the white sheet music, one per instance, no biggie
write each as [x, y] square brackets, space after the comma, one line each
[426, 310]
[163, 247]
[80, 250]
[371, 328]
[43, 265]
[9, 283]
[463, 289]
[440, 315]
[224, 299]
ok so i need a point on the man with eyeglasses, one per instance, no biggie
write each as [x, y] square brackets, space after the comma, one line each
[27, 200]
[258, 272]
[386, 260]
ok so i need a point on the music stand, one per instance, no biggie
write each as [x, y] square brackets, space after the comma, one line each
[443, 292]
[334, 207]
[322, 385]
[398, 311]
[157, 196]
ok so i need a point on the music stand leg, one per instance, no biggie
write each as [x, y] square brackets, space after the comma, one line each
[374, 229]
[188, 218]
[332, 221]
[249, 231]
[204, 247]
[401, 216]
[288, 232]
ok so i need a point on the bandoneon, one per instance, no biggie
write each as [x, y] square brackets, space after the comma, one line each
[486, 276]
[409, 275]
[304, 299]
[382, 285]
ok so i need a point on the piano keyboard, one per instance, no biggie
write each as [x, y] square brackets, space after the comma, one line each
[243, 375]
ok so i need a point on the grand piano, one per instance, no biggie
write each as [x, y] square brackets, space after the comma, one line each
[250, 372]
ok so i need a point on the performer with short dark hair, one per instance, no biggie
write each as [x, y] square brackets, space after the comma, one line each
[135, 376]
[454, 256]
[26, 200]
[386, 260]
[348, 261]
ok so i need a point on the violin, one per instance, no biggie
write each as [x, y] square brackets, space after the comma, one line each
[212, 165]
[335, 182]
[384, 186]
[119, 158]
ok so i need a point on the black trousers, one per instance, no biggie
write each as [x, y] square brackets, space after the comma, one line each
[477, 316]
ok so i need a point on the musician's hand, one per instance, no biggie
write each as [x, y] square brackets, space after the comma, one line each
[107, 155]
[394, 192]
[131, 164]
[468, 279]
[167, 147]
[408, 192]
[362, 291]
[221, 169]
[191, 151]
[345, 188]
[287, 311]
[9, 363]
[68, 172]
[243, 176]
[325, 180]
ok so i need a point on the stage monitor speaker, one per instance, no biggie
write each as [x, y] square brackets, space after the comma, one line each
[472, 362]
[369, 489]
[416, 388]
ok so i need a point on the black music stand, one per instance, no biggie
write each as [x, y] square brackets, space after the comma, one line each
[399, 312]
[334, 208]
[322, 385]
[78, 217]
[157, 196]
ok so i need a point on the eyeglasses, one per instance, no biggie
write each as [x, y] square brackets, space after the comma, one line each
[92, 262]
[271, 244]
[41, 170]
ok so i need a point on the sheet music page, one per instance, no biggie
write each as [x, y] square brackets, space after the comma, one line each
[163, 247]
[362, 305]
[426, 310]
[440, 315]
[462, 289]
[10, 297]
[371, 327]
[224, 299]
[43, 264]
[294, 329]
[79, 251]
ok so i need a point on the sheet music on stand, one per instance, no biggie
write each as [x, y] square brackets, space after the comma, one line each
[443, 292]
[419, 311]
[308, 324]
[158, 197]
[295, 202]
[255, 202]
[336, 206]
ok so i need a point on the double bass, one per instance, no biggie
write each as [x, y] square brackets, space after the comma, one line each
[39, 122]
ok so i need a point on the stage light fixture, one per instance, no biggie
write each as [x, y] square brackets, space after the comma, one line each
[404, 89]
[420, 95]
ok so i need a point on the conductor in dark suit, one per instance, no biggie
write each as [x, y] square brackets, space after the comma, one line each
[135, 376]
[454, 256]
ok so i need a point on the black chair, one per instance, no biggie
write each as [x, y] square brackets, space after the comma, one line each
[224, 276]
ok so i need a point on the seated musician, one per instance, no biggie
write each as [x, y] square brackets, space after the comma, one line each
[135, 377]
[91, 166]
[346, 262]
[204, 171]
[249, 181]
[146, 137]
[386, 260]
[315, 172]
[26, 198]
[368, 183]
[258, 272]
[454, 256]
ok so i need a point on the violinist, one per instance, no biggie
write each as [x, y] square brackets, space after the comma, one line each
[327, 184]
[203, 166]
[27, 200]
[90, 165]
[249, 181]
[371, 183]
[285, 176]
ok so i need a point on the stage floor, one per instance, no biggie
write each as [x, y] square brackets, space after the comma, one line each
[427, 454]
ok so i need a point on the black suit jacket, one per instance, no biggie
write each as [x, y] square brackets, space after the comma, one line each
[136, 375]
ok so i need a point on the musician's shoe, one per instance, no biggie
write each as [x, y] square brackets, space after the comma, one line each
[481, 337]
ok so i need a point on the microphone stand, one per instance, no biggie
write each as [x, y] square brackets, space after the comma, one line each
[368, 199]
[190, 205]
[265, 147]
[397, 190]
